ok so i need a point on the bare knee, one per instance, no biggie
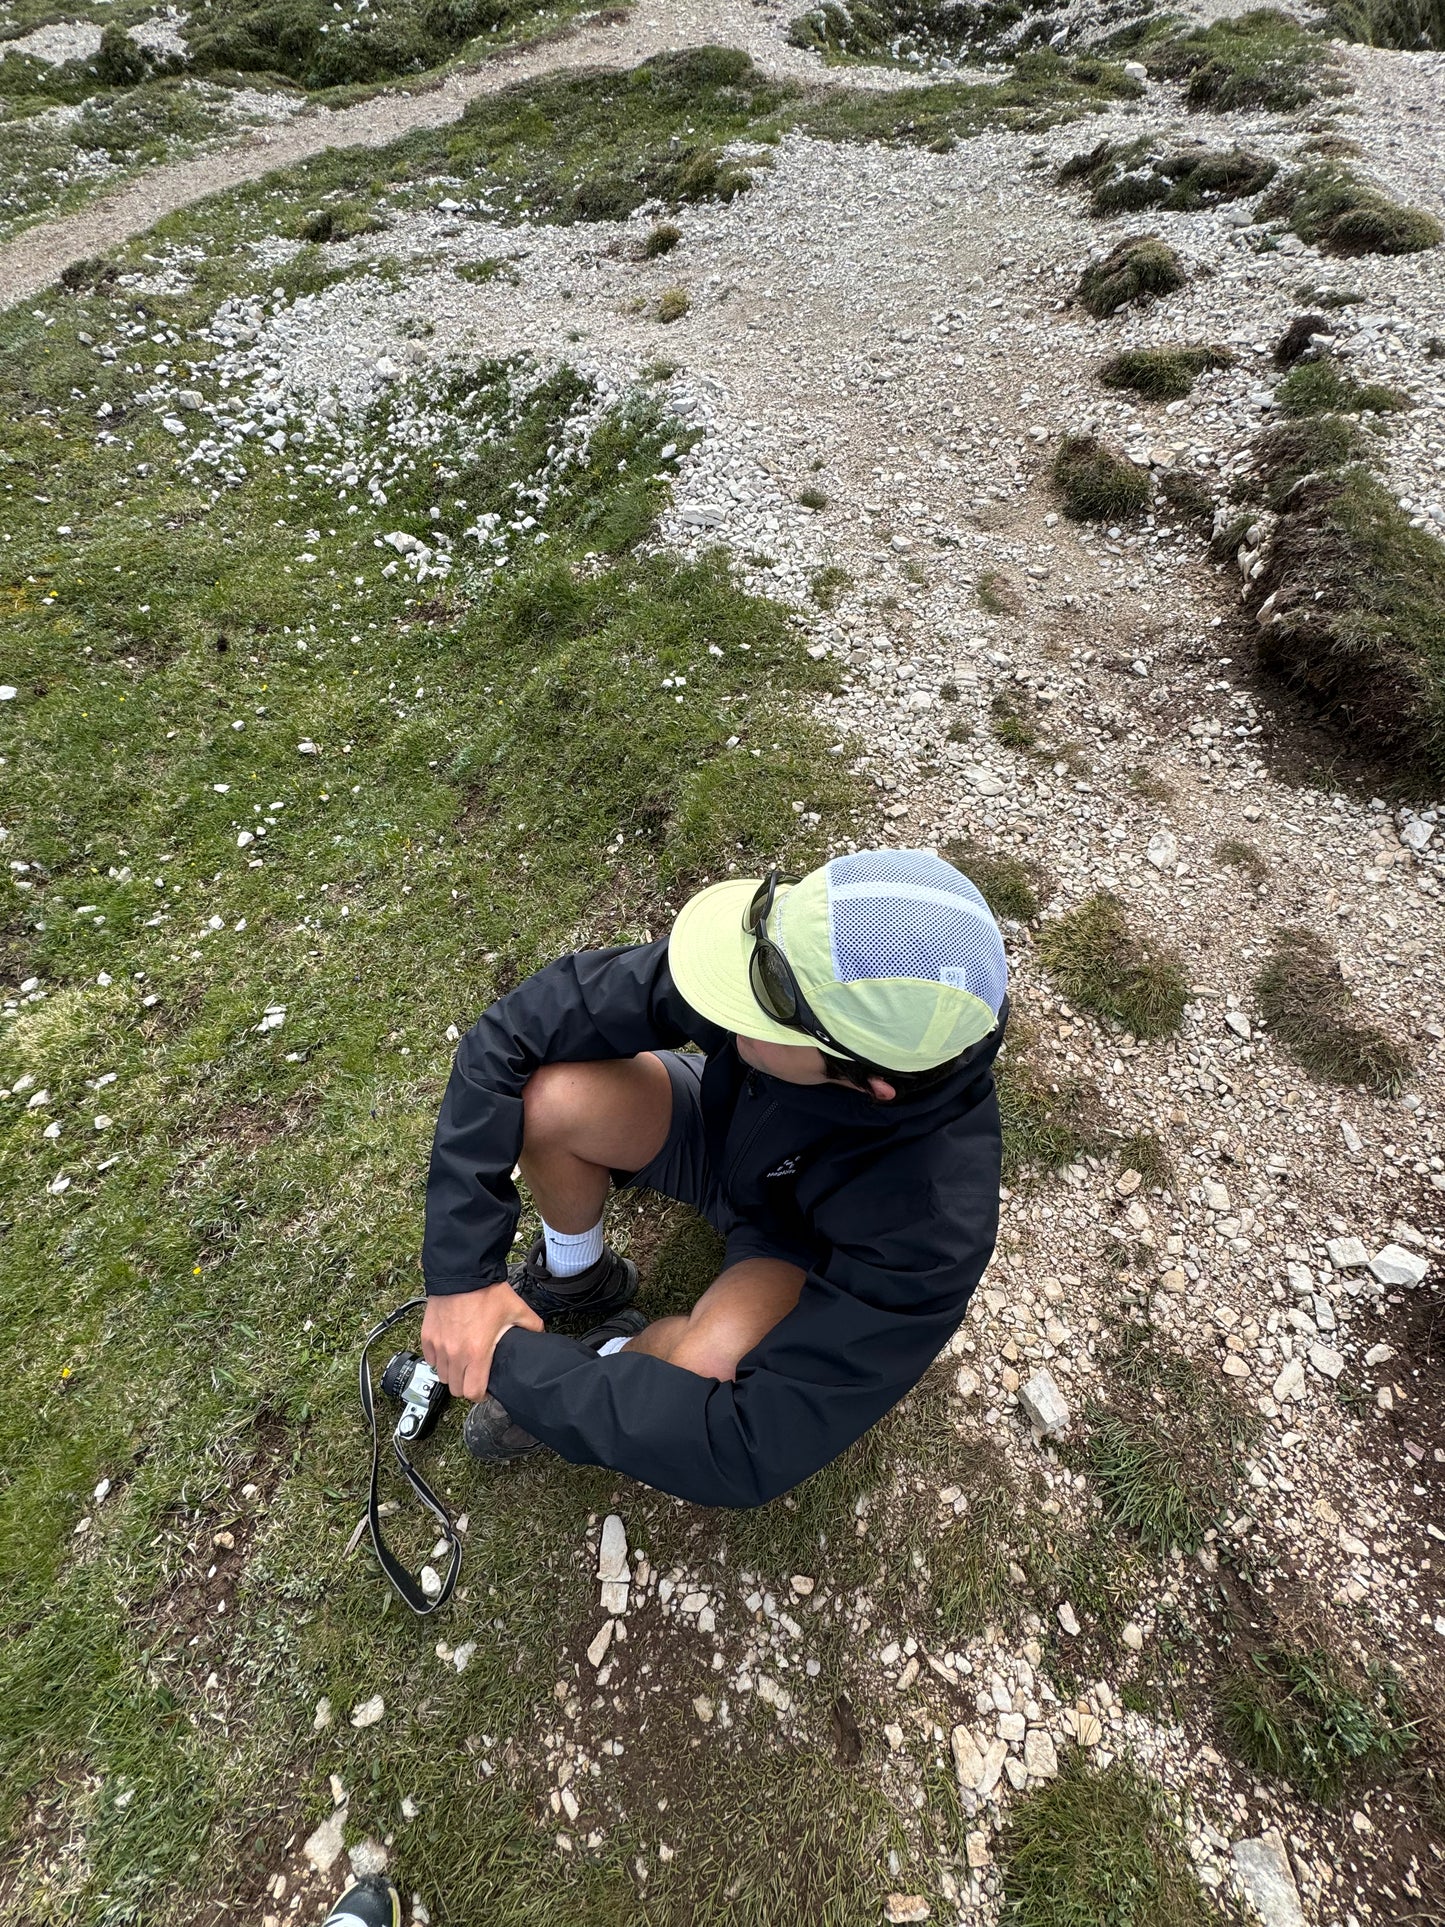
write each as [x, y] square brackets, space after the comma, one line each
[549, 1104]
[702, 1352]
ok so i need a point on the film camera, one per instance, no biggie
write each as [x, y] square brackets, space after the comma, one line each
[410, 1382]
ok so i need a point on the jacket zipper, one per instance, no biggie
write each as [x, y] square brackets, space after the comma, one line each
[747, 1143]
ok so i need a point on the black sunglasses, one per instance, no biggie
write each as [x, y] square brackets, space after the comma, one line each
[774, 987]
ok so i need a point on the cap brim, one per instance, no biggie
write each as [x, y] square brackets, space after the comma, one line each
[708, 954]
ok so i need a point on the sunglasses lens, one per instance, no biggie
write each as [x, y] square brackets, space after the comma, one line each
[762, 903]
[772, 984]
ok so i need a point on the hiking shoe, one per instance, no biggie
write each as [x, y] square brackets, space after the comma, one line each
[488, 1430]
[372, 1902]
[594, 1294]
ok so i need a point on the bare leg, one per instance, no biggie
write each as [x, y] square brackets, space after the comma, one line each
[584, 1121]
[736, 1310]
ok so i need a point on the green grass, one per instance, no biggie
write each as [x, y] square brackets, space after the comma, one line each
[1094, 483]
[1407, 24]
[1261, 59]
[1011, 724]
[1140, 269]
[1302, 1714]
[1150, 1156]
[996, 594]
[662, 238]
[1047, 1123]
[828, 584]
[1357, 624]
[1285, 453]
[1100, 965]
[1098, 1849]
[502, 775]
[1323, 387]
[1162, 374]
[1244, 857]
[1123, 177]
[1164, 1443]
[672, 304]
[1315, 1017]
[1011, 886]
[916, 32]
[1337, 212]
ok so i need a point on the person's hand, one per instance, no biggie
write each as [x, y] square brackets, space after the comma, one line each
[459, 1333]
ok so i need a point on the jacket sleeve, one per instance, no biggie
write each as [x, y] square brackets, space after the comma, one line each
[591, 1005]
[870, 1320]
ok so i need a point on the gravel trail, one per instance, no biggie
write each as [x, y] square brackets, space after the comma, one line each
[34, 258]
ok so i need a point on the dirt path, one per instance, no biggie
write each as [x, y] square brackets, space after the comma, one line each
[33, 259]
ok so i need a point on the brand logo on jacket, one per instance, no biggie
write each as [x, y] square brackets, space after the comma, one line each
[787, 1169]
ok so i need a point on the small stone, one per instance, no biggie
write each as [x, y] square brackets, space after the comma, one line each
[368, 1712]
[1069, 1619]
[967, 1760]
[993, 1761]
[1416, 834]
[323, 1715]
[431, 1582]
[597, 1651]
[1132, 1637]
[612, 1552]
[1235, 1366]
[1128, 1183]
[1347, 1254]
[1262, 1872]
[975, 1846]
[1354, 1143]
[1040, 1756]
[1136, 70]
[323, 1847]
[967, 1381]
[1012, 1727]
[1239, 1024]
[1290, 1381]
[704, 1708]
[1379, 1355]
[409, 1807]
[899, 1907]
[1163, 850]
[614, 1597]
[368, 1858]
[801, 1584]
[1397, 1266]
[983, 780]
[773, 1694]
[1216, 1195]
[1043, 1403]
[1325, 1361]
[1088, 1728]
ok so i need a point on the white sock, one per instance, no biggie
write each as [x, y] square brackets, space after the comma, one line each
[569, 1252]
[612, 1345]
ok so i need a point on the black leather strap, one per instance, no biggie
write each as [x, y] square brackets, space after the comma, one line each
[405, 1585]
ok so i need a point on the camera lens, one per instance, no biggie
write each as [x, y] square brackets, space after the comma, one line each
[397, 1376]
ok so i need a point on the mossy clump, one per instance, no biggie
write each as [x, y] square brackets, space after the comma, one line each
[1410, 25]
[1162, 374]
[1335, 211]
[1137, 270]
[1262, 59]
[1098, 962]
[1305, 1715]
[1314, 1016]
[672, 304]
[812, 498]
[302, 39]
[1351, 603]
[1097, 484]
[1098, 1846]
[338, 221]
[1124, 176]
[1297, 341]
[661, 239]
[1289, 451]
[1010, 885]
[1324, 387]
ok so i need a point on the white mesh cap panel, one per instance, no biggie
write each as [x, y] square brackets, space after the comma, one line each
[906, 913]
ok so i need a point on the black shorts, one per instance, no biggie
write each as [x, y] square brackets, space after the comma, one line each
[682, 1169]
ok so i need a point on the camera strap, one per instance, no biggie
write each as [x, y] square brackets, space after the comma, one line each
[402, 1580]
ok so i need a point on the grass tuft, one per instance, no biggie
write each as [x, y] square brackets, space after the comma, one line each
[1357, 621]
[1150, 1156]
[1309, 445]
[1334, 210]
[1046, 1124]
[996, 594]
[1245, 857]
[673, 304]
[812, 498]
[1261, 59]
[661, 239]
[828, 584]
[1409, 25]
[1166, 1483]
[1011, 725]
[1097, 484]
[1299, 1713]
[1162, 374]
[1312, 1012]
[1010, 885]
[1139, 269]
[1123, 177]
[1323, 387]
[1102, 966]
[1093, 1847]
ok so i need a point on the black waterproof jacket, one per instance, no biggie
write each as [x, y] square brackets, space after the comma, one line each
[892, 1209]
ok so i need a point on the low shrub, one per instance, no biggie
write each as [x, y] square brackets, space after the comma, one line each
[673, 304]
[661, 239]
[1097, 484]
[1137, 270]
[1298, 1712]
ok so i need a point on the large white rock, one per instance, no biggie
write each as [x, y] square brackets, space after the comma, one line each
[1347, 1254]
[1163, 850]
[1262, 1873]
[1290, 1382]
[612, 1552]
[1044, 1404]
[967, 1760]
[1040, 1756]
[1397, 1266]
[323, 1846]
